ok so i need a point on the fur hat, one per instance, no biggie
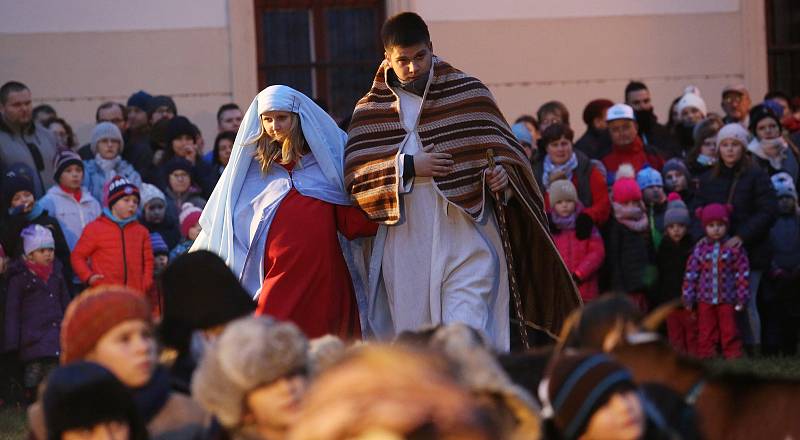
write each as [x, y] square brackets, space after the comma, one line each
[784, 185]
[521, 133]
[117, 188]
[576, 384]
[63, 159]
[250, 352]
[149, 193]
[140, 99]
[36, 237]
[325, 351]
[733, 131]
[106, 130]
[714, 212]
[188, 217]
[561, 190]
[159, 245]
[197, 299]
[759, 113]
[93, 313]
[179, 126]
[677, 212]
[648, 177]
[625, 188]
[691, 98]
[82, 395]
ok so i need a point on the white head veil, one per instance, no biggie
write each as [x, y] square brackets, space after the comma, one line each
[324, 138]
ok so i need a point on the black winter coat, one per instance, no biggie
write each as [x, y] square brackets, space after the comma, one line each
[671, 262]
[628, 258]
[755, 207]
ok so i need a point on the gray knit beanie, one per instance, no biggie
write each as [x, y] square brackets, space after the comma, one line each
[250, 352]
[106, 130]
[677, 212]
[561, 190]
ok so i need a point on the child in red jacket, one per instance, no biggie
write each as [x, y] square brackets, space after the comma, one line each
[115, 248]
[578, 242]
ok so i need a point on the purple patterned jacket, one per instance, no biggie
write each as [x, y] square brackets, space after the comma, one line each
[716, 274]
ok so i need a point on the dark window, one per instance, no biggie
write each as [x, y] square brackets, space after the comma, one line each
[783, 45]
[327, 49]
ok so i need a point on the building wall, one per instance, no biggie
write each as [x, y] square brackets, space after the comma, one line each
[203, 52]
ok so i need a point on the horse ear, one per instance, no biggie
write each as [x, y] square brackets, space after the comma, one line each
[654, 320]
[615, 336]
[570, 325]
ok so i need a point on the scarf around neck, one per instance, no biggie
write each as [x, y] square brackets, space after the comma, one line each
[633, 218]
[567, 168]
[152, 397]
[566, 223]
[42, 271]
[109, 166]
[75, 193]
[760, 147]
[120, 222]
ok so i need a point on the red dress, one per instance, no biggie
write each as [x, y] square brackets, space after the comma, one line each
[307, 281]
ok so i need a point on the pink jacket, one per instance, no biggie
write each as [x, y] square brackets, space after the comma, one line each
[583, 258]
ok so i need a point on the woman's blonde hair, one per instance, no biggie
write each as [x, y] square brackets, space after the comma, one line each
[291, 149]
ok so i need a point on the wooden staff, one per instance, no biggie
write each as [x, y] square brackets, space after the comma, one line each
[512, 274]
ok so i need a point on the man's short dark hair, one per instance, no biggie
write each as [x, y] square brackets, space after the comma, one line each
[404, 30]
[9, 88]
[44, 108]
[634, 86]
[109, 104]
[225, 107]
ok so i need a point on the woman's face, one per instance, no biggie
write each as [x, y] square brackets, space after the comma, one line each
[709, 147]
[278, 125]
[108, 148]
[180, 181]
[730, 152]
[275, 406]
[59, 132]
[621, 418]
[560, 151]
[768, 128]
[185, 146]
[129, 351]
[224, 151]
[691, 116]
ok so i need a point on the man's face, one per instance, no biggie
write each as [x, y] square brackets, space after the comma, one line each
[736, 105]
[113, 115]
[623, 131]
[137, 118]
[410, 63]
[639, 100]
[18, 108]
[230, 120]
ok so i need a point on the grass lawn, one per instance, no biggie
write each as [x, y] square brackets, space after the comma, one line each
[12, 424]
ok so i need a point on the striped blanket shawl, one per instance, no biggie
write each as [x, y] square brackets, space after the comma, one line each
[459, 116]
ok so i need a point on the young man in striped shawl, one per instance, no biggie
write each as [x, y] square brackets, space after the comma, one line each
[416, 161]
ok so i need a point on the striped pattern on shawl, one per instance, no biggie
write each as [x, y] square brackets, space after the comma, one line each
[459, 116]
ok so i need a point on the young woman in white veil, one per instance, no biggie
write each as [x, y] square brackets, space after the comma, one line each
[275, 213]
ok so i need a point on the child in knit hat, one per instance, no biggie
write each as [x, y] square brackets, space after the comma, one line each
[190, 229]
[716, 283]
[67, 201]
[629, 251]
[153, 215]
[581, 248]
[649, 181]
[107, 145]
[677, 177]
[781, 307]
[112, 326]
[20, 209]
[115, 248]
[671, 258]
[36, 299]
[588, 395]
